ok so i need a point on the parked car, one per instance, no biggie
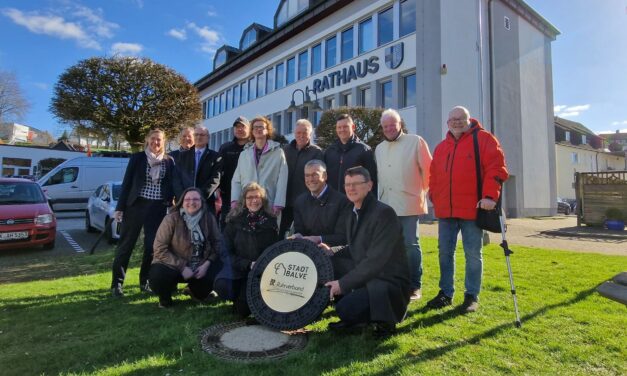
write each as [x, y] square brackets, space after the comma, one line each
[100, 208]
[563, 207]
[70, 184]
[26, 218]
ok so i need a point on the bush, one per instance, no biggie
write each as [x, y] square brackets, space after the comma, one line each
[614, 214]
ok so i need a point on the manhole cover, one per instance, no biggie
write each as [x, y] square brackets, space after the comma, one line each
[249, 343]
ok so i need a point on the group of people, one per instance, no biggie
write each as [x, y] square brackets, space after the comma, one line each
[360, 207]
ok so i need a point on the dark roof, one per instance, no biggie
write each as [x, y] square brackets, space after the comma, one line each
[63, 145]
[262, 31]
[614, 136]
[573, 126]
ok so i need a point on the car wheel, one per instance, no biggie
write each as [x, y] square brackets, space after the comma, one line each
[88, 225]
[567, 211]
[49, 246]
[109, 231]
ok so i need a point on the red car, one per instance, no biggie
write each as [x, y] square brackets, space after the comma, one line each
[26, 219]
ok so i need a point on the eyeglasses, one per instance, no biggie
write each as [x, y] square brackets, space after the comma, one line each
[262, 127]
[456, 120]
[191, 200]
[254, 198]
[200, 135]
[354, 185]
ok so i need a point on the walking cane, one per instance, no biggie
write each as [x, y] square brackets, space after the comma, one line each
[102, 234]
[508, 252]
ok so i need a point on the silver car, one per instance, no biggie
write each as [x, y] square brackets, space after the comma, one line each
[100, 209]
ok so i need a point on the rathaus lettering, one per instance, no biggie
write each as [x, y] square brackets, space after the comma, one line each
[346, 75]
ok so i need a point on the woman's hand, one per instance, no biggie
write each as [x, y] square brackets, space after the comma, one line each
[202, 270]
[117, 215]
[187, 273]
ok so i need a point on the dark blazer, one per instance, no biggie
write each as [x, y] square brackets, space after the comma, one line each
[135, 177]
[375, 244]
[229, 152]
[339, 157]
[242, 245]
[296, 160]
[209, 171]
[325, 216]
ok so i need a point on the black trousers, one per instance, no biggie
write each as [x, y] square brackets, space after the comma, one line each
[287, 217]
[235, 291]
[354, 307]
[146, 214]
[163, 281]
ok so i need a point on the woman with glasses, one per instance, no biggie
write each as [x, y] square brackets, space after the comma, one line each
[263, 162]
[251, 227]
[186, 249]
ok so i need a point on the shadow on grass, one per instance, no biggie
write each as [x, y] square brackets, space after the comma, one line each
[433, 353]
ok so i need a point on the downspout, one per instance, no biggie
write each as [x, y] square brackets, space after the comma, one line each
[480, 47]
[491, 55]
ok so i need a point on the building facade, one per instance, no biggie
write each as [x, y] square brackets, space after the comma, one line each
[420, 57]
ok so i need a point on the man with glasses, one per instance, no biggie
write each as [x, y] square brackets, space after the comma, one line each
[204, 166]
[375, 287]
[403, 162]
[453, 192]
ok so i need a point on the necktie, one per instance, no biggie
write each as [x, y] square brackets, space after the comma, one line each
[198, 153]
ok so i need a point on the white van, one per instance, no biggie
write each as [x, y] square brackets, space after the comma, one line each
[70, 184]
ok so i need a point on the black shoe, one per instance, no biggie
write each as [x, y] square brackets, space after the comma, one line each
[440, 301]
[384, 330]
[344, 327]
[117, 291]
[470, 304]
[165, 302]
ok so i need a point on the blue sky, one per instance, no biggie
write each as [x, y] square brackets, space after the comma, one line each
[40, 39]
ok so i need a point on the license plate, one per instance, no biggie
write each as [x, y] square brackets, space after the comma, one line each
[13, 235]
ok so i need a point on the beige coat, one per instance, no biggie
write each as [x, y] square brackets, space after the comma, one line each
[403, 171]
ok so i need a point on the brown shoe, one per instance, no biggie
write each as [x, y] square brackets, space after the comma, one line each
[416, 295]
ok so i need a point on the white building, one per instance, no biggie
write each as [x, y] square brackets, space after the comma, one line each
[23, 160]
[421, 57]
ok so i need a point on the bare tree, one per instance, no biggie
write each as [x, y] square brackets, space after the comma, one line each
[13, 105]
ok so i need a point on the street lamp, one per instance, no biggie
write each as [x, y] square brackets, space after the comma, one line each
[307, 102]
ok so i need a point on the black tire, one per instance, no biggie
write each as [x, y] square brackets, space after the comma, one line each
[49, 246]
[109, 232]
[88, 225]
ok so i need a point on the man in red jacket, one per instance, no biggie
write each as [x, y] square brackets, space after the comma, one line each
[453, 192]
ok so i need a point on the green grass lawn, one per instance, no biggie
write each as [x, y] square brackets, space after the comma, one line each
[58, 318]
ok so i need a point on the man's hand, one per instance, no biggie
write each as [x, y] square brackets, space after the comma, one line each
[314, 239]
[295, 236]
[326, 249]
[202, 270]
[187, 273]
[277, 210]
[486, 204]
[118, 215]
[334, 288]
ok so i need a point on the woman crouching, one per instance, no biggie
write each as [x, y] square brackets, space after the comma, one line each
[186, 249]
[250, 228]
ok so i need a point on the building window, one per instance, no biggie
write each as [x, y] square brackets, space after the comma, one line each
[366, 42]
[329, 103]
[303, 60]
[220, 59]
[345, 99]
[330, 52]
[228, 100]
[364, 96]
[385, 28]
[347, 44]
[204, 109]
[249, 38]
[243, 92]
[236, 96]
[280, 76]
[291, 70]
[316, 58]
[277, 123]
[270, 80]
[289, 122]
[574, 157]
[409, 90]
[584, 140]
[386, 94]
[290, 9]
[252, 89]
[261, 85]
[567, 136]
[221, 108]
[408, 17]
[210, 108]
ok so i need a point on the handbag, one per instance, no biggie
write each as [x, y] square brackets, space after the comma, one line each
[488, 220]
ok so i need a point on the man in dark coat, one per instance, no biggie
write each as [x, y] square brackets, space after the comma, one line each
[186, 141]
[297, 153]
[230, 152]
[320, 213]
[204, 165]
[346, 152]
[376, 288]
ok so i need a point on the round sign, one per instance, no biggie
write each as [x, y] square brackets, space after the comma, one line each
[286, 286]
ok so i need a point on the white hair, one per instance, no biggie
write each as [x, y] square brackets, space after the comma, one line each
[390, 112]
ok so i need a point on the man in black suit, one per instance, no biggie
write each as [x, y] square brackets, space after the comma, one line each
[203, 165]
[375, 288]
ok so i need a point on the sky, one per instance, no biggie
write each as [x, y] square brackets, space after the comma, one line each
[40, 39]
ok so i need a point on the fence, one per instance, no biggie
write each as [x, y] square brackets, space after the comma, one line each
[598, 191]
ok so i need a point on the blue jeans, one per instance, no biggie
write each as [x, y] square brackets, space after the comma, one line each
[472, 240]
[412, 248]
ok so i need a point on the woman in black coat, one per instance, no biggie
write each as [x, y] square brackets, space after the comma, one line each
[149, 186]
[250, 228]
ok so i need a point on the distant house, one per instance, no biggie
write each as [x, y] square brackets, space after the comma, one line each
[615, 141]
[13, 133]
[578, 149]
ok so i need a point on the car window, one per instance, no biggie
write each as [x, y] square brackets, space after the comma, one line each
[98, 190]
[63, 176]
[20, 193]
[105, 193]
[116, 191]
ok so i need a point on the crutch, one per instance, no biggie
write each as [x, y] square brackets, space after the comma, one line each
[508, 252]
